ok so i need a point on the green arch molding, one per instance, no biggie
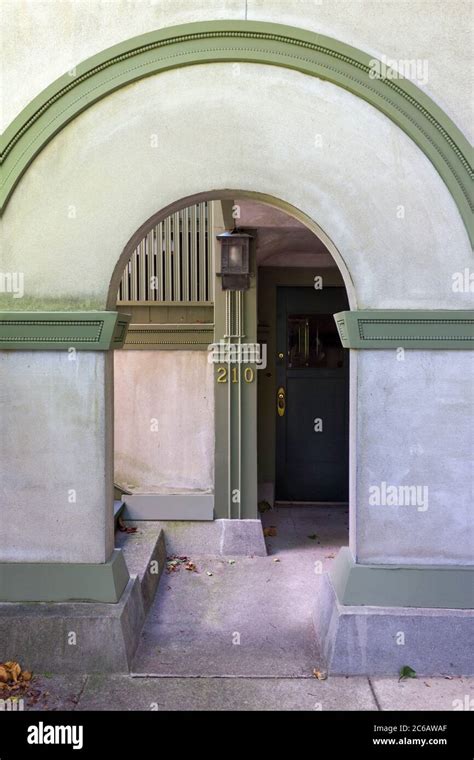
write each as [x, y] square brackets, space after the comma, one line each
[239, 41]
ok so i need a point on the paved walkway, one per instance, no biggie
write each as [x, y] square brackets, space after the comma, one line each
[236, 634]
[248, 616]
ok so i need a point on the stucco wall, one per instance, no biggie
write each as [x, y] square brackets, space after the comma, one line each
[43, 38]
[56, 487]
[93, 186]
[414, 415]
[164, 421]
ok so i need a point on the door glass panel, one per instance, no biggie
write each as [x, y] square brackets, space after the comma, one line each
[313, 341]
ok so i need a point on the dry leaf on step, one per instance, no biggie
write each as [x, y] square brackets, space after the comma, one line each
[270, 531]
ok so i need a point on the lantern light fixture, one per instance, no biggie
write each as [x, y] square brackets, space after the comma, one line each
[235, 260]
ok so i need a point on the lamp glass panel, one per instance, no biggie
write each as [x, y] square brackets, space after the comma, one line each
[235, 257]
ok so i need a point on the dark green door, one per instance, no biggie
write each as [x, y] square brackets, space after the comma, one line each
[312, 404]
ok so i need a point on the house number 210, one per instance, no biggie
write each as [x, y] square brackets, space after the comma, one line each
[249, 375]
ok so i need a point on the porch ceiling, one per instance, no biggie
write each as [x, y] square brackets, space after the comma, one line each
[282, 240]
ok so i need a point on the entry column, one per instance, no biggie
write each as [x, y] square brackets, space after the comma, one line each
[56, 457]
[405, 583]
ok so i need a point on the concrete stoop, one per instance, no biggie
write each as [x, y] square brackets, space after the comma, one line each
[373, 641]
[145, 556]
[221, 537]
[73, 637]
[87, 637]
[94, 637]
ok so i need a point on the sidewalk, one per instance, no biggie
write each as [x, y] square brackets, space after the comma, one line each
[243, 693]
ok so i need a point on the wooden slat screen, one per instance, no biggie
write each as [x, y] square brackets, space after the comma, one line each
[173, 262]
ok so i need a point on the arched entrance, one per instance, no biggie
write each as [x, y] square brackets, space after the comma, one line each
[234, 464]
[362, 179]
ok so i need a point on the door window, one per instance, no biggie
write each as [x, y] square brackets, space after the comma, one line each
[313, 341]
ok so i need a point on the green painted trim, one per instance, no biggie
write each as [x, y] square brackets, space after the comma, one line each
[235, 415]
[64, 581]
[180, 315]
[396, 328]
[169, 337]
[166, 304]
[431, 586]
[251, 42]
[60, 331]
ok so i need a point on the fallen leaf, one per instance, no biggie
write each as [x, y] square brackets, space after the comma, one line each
[263, 506]
[321, 675]
[173, 563]
[276, 559]
[329, 556]
[208, 572]
[427, 684]
[12, 679]
[14, 670]
[270, 531]
[313, 536]
[231, 561]
[125, 528]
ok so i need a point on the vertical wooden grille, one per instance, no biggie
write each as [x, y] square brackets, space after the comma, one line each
[173, 262]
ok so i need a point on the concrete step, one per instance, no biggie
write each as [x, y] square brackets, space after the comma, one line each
[36, 634]
[119, 507]
[145, 555]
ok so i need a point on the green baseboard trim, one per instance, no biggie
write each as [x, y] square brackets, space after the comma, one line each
[61, 331]
[64, 581]
[394, 328]
[430, 586]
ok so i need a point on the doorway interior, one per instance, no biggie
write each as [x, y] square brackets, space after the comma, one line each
[303, 391]
[312, 397]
